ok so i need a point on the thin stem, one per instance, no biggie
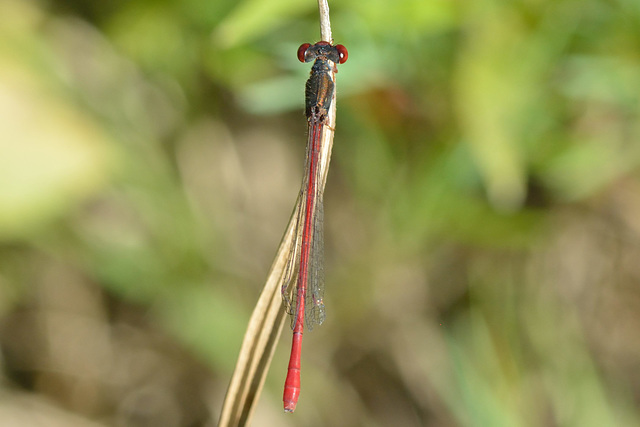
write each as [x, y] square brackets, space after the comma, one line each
[325, 22]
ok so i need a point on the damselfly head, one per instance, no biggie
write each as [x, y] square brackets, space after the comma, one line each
[308, 52]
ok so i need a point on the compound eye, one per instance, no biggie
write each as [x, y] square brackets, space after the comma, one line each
[342, 52]
[302, 50]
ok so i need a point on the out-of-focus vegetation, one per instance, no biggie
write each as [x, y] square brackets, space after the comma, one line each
[482, 210]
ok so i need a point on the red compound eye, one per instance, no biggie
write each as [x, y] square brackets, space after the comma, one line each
[302, 50]
[342, 51]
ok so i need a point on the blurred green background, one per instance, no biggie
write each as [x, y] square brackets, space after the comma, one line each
[482, 212]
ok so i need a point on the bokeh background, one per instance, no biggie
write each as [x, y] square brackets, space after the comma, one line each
[482, 212]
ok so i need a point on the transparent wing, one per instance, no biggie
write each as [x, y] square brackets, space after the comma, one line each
[293, 264]
[314, 311]
[314, 303]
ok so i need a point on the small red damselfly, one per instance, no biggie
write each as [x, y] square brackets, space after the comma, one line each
[305, 267]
